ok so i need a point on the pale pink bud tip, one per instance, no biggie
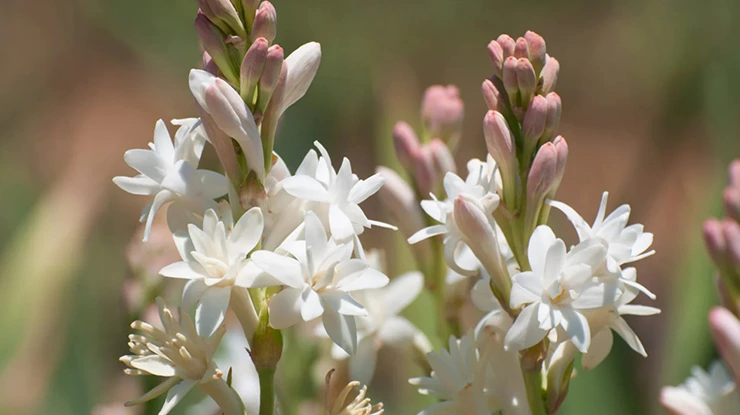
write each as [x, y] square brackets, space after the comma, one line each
[443, 160]
[549, 75]
[265, 22]
[543, 174]
[442, 111]
[496, 53]
[533, 125]
[731, 199]
[726, 332]
[554, 110]
[507, 45]
[490, 94]
[537, 50]
[521, 49]
[714, 239]
[406, 144]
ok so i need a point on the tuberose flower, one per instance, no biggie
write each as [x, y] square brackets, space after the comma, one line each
[704, 393]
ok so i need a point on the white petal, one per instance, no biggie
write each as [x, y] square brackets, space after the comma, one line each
[315, 236]
[453, 185]
[306, 188]
[397, 331]
[554, 262]
[482, 296]
[308, 165]
[576, 326]
[638, 310]
[181, 270]
[311, 307]
[285, 308]
[526, 331]
[596, 296]
[582, 228]
[163, 143]
[340, 225]
[302, 66]
[161, 199]
[601, 345]
[139, 185]
[401, 292]
[629, 336]
[362, 365]
[148, 163]
[192, 292]
[679, 401]
[154, 364]
[342, 330]
[175, 395]
[211, 310]
[352, 278]
[248, 230]
[285, 269]
[365, 188]
[539, 243]
[427, 232]
[433, 209]
[342, 303]
[527, 288]
[212, 185]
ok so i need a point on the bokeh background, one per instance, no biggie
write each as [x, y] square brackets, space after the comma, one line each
[651, 98]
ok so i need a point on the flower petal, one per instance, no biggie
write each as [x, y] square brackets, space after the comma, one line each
[210, 312]
[138, 185]
[342, 329]
[342, 303]
[365, 188]
[527, 288]
[302, 65]
[576, 326]
[285, 269]
[340, 225]
[285, 308]
[401, 292]
[181, 269]
[148, 163]
[539, 243]
[176, 394]
[311, 307]
[248, 231]
[526, 331]
[155, 365]
[192, 293]
[163, 143]
[306, 188]
[601, 345]
[362, 364]
[427, 232]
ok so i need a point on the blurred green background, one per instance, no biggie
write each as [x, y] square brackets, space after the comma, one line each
[651, 112]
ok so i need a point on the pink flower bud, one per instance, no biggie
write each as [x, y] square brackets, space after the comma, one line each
[734, 173]
[726, 332]
[714, 239]
[731, 200]
[511, 84]
[401, 203]
[533, 125]
[507, 45]
[442, 112]
[209, 65]
[549, 75]
[554, 109]
[561, 146]
[406, 144]
[496, 53]
[214, 42]
[490, 94]
[521, 49]
[265, 22]
[537, 50]
[424, 170]
[501, 146]
[223, 11]
[270, 76]
[273, 110]
[443, 160]
[251, 69]
[541, 180]
[526, 80]
[731, 232]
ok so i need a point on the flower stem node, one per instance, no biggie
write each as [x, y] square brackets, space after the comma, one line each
[267, 344]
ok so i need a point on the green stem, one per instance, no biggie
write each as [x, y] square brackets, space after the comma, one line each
[225, 397]
[533, 381]
[267, 391]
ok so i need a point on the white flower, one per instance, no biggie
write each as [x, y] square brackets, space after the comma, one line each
[383, 325]
[214, 260]
[625, 244]
[457, 379]
[302, 66]
[337, 195]
[703, 393]
[177, 352]
[169, 172]
[318, 278]
[360, 405]
[558, 290]
[480, 185]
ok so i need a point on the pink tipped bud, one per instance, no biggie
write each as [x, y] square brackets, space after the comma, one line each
[554, 109]
[270, 76]
[533, 125]
[252, 66]
[542, 175]
[731, 200]
[223, 11]
[726, 332]
[734, 173]
[209, 65]
[526, 80]
[507, 45]
[443, 160]
[521, 49]
[501, 146]
[714, 239]
[265, 22]
[214, 42]
[425, 172]
[406, 144]
[511, 84]
[273, 110]
[549, 75]
[490, 94]
[442, 112]
[537, 50]
[496, 53]
[561, 146]
[731, 232]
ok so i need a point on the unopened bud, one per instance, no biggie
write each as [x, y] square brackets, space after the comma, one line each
[501, 146]
[473, 219]
[490, 94]
[267, 345]
[442, 112]
[714, 239]
[406, 144]
[443, 160]
[734, 173]
[731, 232]
[398, 196]
[561, 146]
[265, 22]
[273, 111]
[726, 332]
[559, 369]
[251, 69]
[214, 42]
[496, 53]
[507, 45]
[537, 50]
[424, 170]
[511, 85]
[521, 49]
[731, 200]
[219, 11]
[526, 80]
[549, 75]
[250, 9]
[542, 177]
[270, 76]
[209, 65]
[533, 125]
[554, 109]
